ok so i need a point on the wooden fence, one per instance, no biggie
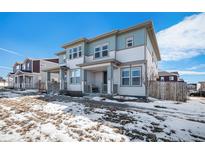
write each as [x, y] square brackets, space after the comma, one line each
[176, 91]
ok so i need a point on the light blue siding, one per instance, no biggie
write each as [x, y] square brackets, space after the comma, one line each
[138, 35]
[80, 44]
[149, 45]
[91, 46]
[61, 59]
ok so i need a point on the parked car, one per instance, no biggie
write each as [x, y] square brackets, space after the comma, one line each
[197, 93]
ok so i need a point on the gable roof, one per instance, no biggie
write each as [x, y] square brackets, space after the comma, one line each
[148, 25]
[165, 73]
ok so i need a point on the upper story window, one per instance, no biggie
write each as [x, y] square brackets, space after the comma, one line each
[129, 42]
[28, 65]
[75, 52]
[64, 58]
[24, 66]
[105, 50]
[131, 76]
[18, 67]
[97, 52]
[101, 51]
[171, 78]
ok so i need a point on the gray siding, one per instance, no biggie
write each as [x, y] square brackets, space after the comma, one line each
[111, 45]
[149, 44]
[138, 35]
[61, 59]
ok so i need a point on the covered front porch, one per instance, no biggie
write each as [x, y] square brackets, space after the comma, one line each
[56, 79]
[99, 78]
[24, 81]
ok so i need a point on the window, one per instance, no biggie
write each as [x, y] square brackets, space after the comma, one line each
[24, 67]
[97, 52]
[161, 78]
[126, 76]
[101, 51]
[70, 53]
[135, 76]
[18, 67]
[75, 52]
[28, 65]
[79, 51]
[64, 58]
[105, 50]
[129, 42]
[131, 76]
[171, 78]
[75, 76]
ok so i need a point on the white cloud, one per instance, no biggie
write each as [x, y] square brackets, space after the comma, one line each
[5, 68]
[200, 66]
[10, 51]
[183, 72]
[183, 40]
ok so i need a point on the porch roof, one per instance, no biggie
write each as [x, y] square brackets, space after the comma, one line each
[52, 70]
[114, 61]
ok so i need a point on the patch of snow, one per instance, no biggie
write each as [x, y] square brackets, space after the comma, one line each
[50, 108]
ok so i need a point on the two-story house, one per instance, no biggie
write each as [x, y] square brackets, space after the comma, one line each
[119, 62]
[165, 76]
[28, 74]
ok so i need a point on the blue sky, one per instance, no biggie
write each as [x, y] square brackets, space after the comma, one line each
[39, 35]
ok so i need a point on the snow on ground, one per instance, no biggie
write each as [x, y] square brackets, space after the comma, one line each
[31, 119]
[55, 118]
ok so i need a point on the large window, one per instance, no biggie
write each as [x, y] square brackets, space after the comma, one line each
[101, 51]
[75, 52]
[75, 76]
[129, 42]
[135, 76]
[131, 76]
[126, 77]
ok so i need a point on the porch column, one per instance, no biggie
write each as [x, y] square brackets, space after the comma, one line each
[48, 74]
[83, 79]
[110, 79]
[24, 82]
[61, 79]
[18, 80]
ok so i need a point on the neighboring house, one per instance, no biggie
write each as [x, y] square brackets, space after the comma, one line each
[192, 87]
[3, 82]
[169, 77]
[119, 62]
[202, 86]
[29, 75]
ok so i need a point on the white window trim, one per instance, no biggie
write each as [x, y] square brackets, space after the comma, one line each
[130, 76]
[125, 77]
[101, 50]
[128, 39]
[71, 52]
[138, 68]
[74, 83]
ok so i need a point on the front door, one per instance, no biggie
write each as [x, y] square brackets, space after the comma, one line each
[105, 77]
